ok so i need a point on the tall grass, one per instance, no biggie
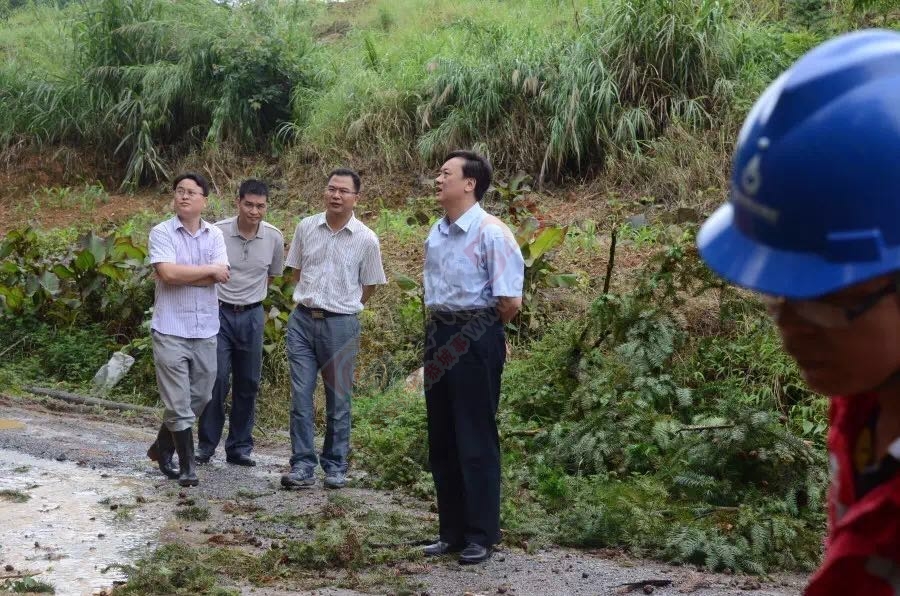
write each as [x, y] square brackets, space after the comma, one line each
[555, 87]
[148, 78]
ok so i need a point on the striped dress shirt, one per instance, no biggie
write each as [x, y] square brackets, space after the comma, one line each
[186, 311]
[334, 266]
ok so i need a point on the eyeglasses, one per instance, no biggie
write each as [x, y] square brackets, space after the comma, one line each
[184, 192]
[827, 315]
[341, 192]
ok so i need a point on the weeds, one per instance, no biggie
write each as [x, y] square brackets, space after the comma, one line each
[13, 496]
[193, 513]
[28, 585]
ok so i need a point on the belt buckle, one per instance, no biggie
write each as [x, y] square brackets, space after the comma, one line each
[316, 313]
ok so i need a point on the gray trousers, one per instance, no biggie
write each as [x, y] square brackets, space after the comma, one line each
[185, 373]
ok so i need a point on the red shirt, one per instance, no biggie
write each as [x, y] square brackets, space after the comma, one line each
[862, 550]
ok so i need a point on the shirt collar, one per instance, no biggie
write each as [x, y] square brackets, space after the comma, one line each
[465, 220]
[204, 225]
[352, 226]
[235, 231]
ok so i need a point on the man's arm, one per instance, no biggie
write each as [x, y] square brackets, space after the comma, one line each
[367, 293]
[192, 275]
[508, 307]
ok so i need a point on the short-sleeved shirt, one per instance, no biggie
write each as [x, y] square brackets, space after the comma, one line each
[334, 266]
[862, 552]
[252, 261]
[471, 262]
[186, 311]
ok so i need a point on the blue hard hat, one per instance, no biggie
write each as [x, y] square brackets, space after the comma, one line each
[815, 187]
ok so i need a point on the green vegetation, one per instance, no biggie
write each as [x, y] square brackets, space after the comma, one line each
[660, 417]
[347, 544]
[27, 585]
[552, 86]
[13, 496]
[193, 513]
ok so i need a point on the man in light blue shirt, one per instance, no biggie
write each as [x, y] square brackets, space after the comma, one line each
[474, 274]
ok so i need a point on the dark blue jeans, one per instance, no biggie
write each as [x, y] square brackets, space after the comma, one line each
[328, 346]
[239, 356]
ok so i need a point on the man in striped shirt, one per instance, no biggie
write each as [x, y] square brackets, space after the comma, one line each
[337, 264]
[189, 257]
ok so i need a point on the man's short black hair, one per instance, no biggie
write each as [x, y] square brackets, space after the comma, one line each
[200, 180]
[346, 172]
[252, 186]
[475, 166]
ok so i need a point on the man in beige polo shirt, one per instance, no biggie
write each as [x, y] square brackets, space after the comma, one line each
[256, 253]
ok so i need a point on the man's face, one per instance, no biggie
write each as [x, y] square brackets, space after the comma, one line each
[189, 200]
[251, 209]
[851, 355]
[450, 185]
[340, 196]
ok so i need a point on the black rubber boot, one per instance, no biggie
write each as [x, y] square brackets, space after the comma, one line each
[162, 450]
[184, 443]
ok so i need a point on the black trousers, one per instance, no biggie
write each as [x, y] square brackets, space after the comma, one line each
[464, 358]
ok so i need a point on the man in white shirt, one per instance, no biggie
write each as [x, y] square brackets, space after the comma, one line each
[337, 264]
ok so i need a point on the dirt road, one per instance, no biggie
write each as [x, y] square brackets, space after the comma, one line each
[78, 499]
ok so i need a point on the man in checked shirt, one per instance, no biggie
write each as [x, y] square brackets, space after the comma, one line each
[189, 257]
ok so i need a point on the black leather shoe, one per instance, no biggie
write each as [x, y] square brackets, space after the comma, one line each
[240, 460]
[474, 553]
[441, 548]
[202, 457]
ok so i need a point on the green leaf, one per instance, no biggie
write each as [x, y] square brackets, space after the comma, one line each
[562, 280]
[13, 298]
[125, 249]
[50, 282]
[84, 261]
[63, 272]
[547, 239]
[9, 267]
[110, 271]
[526, 230]
[406, 283]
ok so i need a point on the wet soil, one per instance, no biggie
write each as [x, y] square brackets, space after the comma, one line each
[94, 502]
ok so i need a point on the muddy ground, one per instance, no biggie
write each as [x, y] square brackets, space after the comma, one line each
[95, 503]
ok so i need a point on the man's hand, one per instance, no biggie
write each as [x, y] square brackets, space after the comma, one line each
[221, 273]
[508, 307]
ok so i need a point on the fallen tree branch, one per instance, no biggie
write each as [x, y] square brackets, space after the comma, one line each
[17, 575]
[523, 432]
[3, 353]
[632, 586]
[90, 401]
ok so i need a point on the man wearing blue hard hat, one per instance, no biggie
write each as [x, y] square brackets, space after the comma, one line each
[813, 224]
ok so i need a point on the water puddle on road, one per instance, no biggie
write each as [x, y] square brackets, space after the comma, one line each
[68, 525]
